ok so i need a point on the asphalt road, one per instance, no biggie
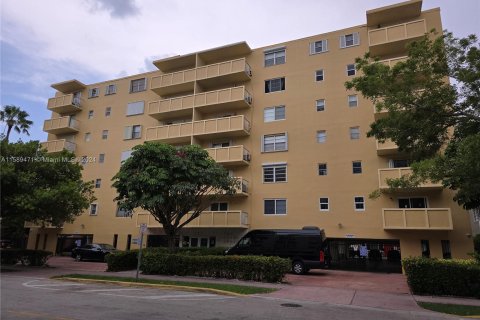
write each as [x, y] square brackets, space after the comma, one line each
[33, 298]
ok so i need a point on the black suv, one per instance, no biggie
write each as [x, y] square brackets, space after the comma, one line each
[93, 251]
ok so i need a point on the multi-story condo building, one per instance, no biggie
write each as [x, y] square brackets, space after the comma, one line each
[280, 119]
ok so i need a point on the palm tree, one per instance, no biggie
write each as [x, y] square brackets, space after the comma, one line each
[16, 119]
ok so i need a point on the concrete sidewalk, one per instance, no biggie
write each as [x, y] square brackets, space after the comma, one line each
[384, 291]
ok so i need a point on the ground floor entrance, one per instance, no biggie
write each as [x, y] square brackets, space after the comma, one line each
[381, 255]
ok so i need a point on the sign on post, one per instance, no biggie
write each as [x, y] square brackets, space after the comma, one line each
[143, 228]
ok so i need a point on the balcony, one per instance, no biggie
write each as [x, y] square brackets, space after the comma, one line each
[212, 101]
[221, 127]
[417, 219]
[229, 99]
[173, 133]
[386, 148]
[62, 125]
[54, 146]
[230, 156]
[207, 219]
[233, 71]
[394, 61]
[393, 39]
[29, 224]
[395, 173]
[66, 104]
[241, 189]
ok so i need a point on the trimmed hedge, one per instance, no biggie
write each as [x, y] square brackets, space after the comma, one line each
[256, 268]
[443, 277]
[127, 260]
[25, 256]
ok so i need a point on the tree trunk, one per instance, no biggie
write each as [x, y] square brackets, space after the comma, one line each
[8, 132]
[171, 241]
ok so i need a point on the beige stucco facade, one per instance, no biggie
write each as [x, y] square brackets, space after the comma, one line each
[217, 99]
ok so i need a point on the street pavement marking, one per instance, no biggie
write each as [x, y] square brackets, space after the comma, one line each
[182, 297]
[29, 284]
[100, 290]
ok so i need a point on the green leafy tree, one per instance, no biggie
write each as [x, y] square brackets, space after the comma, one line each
[171, 182]
[15, 119]
[434, 121]
[40, 188]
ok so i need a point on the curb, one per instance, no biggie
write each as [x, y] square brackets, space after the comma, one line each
[168, 286]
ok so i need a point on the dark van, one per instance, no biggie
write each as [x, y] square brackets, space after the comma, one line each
[305, 247]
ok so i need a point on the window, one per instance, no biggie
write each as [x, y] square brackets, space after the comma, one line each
[357, 167]
[274, 113]
[273, 57]
[350, 40]
[274, 85]
[125, 155]
[425, 245]
[222, 144]
[399, 163]
[138, 85]
[274, 142]
[104, 134]
[93, 209]
[275, 173]
[319, 75]
[98, 183]
[90, 114]
[351, 70]
[133, 132]
[219, 206]
[123, 213]
[93, 92]
[110, 89]
[322, 169]
[101, 158]
[275, 206]
[320, 103]
[418, 202]
[87, 136]
[321, 136]
[352, 101]
[324, 204]
[359, 203]
[446, 251]
[129, 241]
[108, 111]
[354, 133]
[134, 108]
[318, 46]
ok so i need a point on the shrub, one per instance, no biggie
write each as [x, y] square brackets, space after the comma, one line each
[35, 257]
[127, 260]
[269, 269]
[443, 277]
[122, 261]
[10, 256]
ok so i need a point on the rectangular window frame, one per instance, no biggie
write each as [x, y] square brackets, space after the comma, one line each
[357, 167]
[325, 205]
[90, 114]
[320, 46]
[276, 173]
[351, 71]
[321, 136]
[108, 111]
[93, 93]
[122, 213]
[354, 133]
[319, 75]
[320, 105]
[104, 134]
[93, 210]
[274, 113]
[322, 169]
[138, 85]
[275, 206]
[274, 57]
[350, 40]
[278, 139]
[352, 101]
[269, 84]
[101, 158]
[135, 108]
[357, 202]
[98, 183]
[219, 206]
[110, 89]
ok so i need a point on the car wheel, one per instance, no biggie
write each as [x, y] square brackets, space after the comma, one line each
[78, 257]
[298, 267]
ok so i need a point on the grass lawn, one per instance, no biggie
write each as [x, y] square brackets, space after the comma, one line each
[457, 309]
[217, 286]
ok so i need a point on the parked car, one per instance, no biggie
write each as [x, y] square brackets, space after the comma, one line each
[93, 251]
[306, 247]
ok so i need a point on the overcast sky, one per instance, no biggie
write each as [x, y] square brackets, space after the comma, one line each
[49, 41]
